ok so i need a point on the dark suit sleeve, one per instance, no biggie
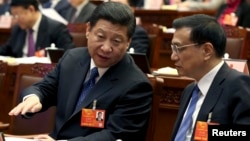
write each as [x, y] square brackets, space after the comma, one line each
[140, 40]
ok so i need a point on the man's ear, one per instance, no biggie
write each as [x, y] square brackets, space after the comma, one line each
[208, 50]
[88, 28]
[31, 8]
[129, 41]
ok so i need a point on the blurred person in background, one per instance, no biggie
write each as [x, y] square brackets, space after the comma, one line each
[33, 31]
[193, 5]
[140, 39]
[243, 14]
[80, 11]
[226, 14]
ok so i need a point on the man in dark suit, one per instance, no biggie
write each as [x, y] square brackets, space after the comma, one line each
[198, 46]
[121, 89]
[140, 39]
[80, 11]
[45, 31]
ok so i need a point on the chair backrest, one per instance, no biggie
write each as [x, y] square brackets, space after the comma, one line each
[3, 88]
[77, 31]
[155, 40]
[238, 42]
[3, 71]
[154, 108]
[26, 75]
[169, 90]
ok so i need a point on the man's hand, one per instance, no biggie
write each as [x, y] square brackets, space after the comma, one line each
[31, 104]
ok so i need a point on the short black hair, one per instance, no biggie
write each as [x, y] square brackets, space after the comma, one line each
[116, 13]
[25, 3]
[204, 28]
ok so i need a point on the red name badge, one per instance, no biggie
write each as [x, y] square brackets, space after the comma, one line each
[93, 118]
[201, 131]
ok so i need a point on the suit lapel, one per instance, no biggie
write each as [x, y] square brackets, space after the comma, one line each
[41, 35]
[214, 93]
[70, 14]
[20, 41]
[83, 15]
[103, 85]
[78, 75]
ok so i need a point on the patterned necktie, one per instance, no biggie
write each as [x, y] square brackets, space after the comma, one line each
[88, 85]
[31, 43]
[186, 122]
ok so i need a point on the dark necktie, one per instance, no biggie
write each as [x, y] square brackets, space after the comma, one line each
[186, 122]
[88, 85]
[31, 43]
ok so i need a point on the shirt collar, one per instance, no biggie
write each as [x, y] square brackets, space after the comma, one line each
[206, 81]
[101, 71]
[37, 23]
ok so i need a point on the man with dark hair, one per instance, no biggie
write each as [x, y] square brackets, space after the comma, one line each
[33, 31]
[103, 78]
[140, 39]
[219, 95]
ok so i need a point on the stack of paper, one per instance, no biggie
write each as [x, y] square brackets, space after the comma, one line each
[166, 71]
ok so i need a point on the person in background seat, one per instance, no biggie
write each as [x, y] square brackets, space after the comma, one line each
[243, 14]
[33, 31]
[200, 5]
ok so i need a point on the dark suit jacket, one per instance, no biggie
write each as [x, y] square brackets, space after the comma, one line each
[140, 40]
[137, 3]
[50, 31]
[243, 13]
[227, 98]
[123, 91]
[83, 16]
[62, 7]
